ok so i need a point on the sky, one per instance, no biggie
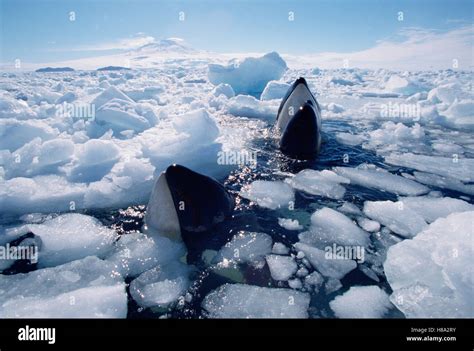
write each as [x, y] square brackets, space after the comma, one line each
[48, 31]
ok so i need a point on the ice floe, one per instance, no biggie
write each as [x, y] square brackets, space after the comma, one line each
[70, 237]
[443, 253]
[323, 183]
[453, 167]
[380, 179]
[281, 267]
[333, 268]
[274, 90]
[289, 224]
[250, 75]
[161, 285]
[361, 302]
[247, 301]
[329, 226]
[269, 194]
[245, 247]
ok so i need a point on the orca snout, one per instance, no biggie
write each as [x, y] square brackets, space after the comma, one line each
[184, 200]
[301, 138]
[299, 122]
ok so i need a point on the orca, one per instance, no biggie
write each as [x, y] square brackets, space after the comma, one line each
[299, 122]
[183, 204]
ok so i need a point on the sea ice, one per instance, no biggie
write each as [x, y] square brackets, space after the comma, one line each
[108, 95]
[245, 247]
[16, 133]
[223, 89]
[90, 272]
[274, 90]
[459, 114]
[161, 285]
[443, 253]
[90, 302]
[361, 302]
[281, 267]
[136, 253]
[380, 179]
[329, 226]
[350, 139]
[268, 194]
[250, 75]
[70, 237]
[443, 182]
[248, 106]
[403, 85]
[289, 224]
[280, 249]
[432, 208]
[332, 268]
[399, 218]
[247, 301]
[368, 225]
[95, 159]
[323, 183]
[458, 168]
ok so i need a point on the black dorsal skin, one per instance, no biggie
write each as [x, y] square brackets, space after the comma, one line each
[302, 138]
[200, 201]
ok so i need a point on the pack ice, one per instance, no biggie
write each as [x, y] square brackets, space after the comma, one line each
[443, 253]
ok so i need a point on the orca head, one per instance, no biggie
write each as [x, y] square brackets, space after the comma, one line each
[299, 122]
[301, 138]
[186, 201]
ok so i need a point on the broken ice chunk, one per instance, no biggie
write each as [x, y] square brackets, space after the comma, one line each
[247, 301]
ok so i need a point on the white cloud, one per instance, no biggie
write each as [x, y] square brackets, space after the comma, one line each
[411, 49]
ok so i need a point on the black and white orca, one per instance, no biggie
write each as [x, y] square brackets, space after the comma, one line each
[185, 202]
[299, 122]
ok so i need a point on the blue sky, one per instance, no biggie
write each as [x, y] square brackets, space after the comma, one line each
[40, 30]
